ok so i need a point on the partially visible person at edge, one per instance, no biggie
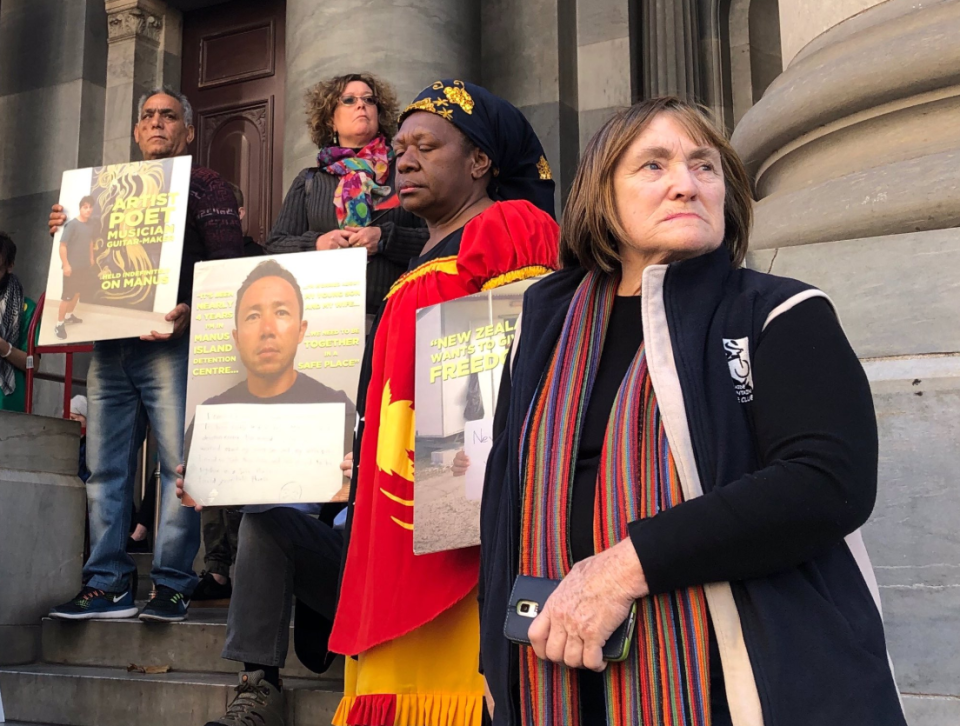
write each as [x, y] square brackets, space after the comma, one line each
[471, 165]
[350, 198]
[135, 381]
[16, 312]
[78, 413]
[690, 436]
[251, 248]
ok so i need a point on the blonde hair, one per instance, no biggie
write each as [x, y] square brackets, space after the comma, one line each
[591, 231]
[322, 100]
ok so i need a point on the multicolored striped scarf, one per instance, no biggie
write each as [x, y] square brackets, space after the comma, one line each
[362, 177]
[665, 681]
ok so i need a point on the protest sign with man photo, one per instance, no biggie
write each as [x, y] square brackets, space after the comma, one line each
[115, 264]
[285, 331]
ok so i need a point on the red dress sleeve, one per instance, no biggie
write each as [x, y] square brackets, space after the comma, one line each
[510, 241]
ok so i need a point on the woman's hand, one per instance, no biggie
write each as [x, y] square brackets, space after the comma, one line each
[588, 605]
[335, 239]
[368, 237]
[346, 467]
[181, 470]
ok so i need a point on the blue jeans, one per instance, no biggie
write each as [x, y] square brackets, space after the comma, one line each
[131, 382]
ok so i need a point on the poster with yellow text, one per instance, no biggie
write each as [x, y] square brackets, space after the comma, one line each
[288, 331]
[462, 346]
[115, 264]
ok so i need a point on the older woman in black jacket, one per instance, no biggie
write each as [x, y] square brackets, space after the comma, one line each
[349, 199]
[689, 437]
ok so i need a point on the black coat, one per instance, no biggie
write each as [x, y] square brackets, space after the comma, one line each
[308, 212]
[800, 645]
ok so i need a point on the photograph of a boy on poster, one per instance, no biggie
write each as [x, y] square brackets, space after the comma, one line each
[269, 328]
[77, 259]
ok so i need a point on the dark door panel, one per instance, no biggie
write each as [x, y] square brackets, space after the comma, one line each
[233, 73]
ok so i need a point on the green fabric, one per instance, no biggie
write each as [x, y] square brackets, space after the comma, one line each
[17, 401]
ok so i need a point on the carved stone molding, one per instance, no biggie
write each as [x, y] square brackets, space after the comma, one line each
[133, 23]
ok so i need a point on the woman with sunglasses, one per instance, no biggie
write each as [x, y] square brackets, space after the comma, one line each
[349, 198]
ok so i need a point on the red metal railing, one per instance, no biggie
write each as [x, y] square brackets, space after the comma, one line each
[33, 374]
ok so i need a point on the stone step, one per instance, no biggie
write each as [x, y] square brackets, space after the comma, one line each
[86, 696]
[192, 646]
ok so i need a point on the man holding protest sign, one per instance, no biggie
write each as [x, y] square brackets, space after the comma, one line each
[135, 381]
[283, 551]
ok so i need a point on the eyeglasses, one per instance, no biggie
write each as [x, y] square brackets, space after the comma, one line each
[352, 100]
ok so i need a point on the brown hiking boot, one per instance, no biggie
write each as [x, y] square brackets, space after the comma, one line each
[257, 703]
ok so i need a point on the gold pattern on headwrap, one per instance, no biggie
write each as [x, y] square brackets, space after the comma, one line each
[456, 94]
[543, 166]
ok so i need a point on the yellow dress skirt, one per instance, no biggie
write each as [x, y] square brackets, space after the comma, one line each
[428, 677]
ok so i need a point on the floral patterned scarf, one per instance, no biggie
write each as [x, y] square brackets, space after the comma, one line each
[362, 176]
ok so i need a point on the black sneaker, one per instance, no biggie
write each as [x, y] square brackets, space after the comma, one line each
[257, 703]
[60, 331]
[92, 603]
[210, 589]
[72, 319]
[165, 606]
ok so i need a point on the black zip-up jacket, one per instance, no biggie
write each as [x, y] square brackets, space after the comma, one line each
[308, 212]
[801, 642]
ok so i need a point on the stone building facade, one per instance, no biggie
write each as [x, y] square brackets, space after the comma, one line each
[847, 113]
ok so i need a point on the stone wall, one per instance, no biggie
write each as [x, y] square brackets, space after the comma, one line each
[854, 153]
[42, 514]
[53, 66]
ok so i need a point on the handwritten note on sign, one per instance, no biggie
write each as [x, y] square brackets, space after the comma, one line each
[266, 454]
[477, 442]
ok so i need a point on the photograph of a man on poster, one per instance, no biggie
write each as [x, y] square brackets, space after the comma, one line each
[269, 327]
[77, 247]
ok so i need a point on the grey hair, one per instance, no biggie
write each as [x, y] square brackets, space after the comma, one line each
[167, 91]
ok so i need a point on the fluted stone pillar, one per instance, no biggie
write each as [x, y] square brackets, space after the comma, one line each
[409, 45]
[670, 62]
[53, 58]
[144, 52]
[855, 152]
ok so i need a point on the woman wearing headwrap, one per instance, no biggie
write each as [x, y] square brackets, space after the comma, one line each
[470, 165]
[349, 198]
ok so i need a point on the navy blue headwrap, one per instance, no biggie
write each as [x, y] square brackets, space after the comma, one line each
[499, 129]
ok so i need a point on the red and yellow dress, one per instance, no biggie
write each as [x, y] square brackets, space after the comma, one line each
[413, 620]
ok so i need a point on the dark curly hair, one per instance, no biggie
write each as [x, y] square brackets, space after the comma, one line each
[323, 98]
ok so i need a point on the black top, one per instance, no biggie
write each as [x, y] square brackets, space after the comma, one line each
[77, 237]
[624, 335]
[308, 212]
[621, 343]
[213, 230]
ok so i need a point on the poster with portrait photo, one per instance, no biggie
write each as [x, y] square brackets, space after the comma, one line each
[288, 331]
[115, 264]
[462, 346]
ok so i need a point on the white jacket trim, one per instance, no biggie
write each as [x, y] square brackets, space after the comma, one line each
[741, 688]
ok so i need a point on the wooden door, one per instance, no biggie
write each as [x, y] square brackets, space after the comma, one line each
[233, 74]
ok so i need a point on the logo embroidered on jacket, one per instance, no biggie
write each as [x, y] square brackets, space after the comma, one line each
[738, 360]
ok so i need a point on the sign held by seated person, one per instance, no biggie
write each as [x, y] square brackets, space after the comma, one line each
[462, 347]
[286, 331]
[115, 264]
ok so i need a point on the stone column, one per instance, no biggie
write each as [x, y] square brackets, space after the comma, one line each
[529, 57]
[42, 508]
[854, 151]
[670, 53]
[144, 52]
[407, 45]
[53, 59]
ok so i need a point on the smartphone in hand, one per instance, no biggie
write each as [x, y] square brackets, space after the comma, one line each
[529, 596]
